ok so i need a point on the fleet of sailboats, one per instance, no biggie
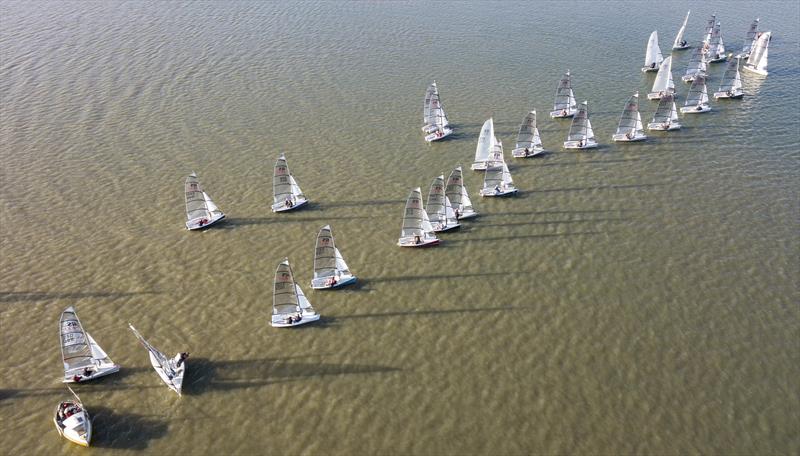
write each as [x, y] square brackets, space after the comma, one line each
[663, 83]
[529, 142]
[680, 43]
[757, 62]
[666, 115]
[286, 194]
[417, 230]
[83, 358]
[652, 57]
[697, 99]
[440, 210]
[581, 134]
[630, 122]
[731, 84]
[564, 105]
[330, 269]
[170, 370]
[201, 212]
[434, 118]
[456, 192]
[290, 307]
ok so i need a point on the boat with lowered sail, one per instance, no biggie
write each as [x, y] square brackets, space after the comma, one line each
[170, 370]
[72, 420]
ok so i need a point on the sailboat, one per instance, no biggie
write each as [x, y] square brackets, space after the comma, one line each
[716, 48]
[170, 370]
[653, 57]
[286, 194]
[440, 210]
[731, 85]
[630, 122]
[749, 40]
[434, 117]
[710, 23]
[529, 143]
[417, 230]
[488, 146]
[697, 64]
[456, 192]
[72, 420]
[757, 62]
[497, 180]
[581, 134]
[290, 307]
[663, 83]
[201, 212]
[83, 358]
[666, 116]
[564, 105]
[697, 99]
[330, 269]
[679, 42]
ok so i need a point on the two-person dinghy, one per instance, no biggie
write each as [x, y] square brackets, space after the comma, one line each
[488, 147]
[83, 358]
[630, 122]
[564, 105]
[330, 269]
[716, 47]
[434, 118]
[72, 420]
[286, 194]
[456, 192]
[749, 40]
[697, 99]
[666, 115]
[440, 210]
[581, 134]
[652, 57]
[529, 143]
[680, 43]
[497, 180]
[663, 83]
[201, 212]
[290, 307]
[731, 85]
[417, 230]
[697, 65]
[757, 62]
[170, 370]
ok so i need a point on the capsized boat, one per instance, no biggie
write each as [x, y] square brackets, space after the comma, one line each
[663, 83]
[434, 117]
[201, 212]
[286, 194]
[697, 99]
[757, 62]
[456, 192]
[417, 230]
[652, 57]
[679, 42]
[170, 370]
[630, 122]
[564, 105]
[666, 115]
[529, 143]
[716, 47]
[72, 420]
[697, 65]
[749, 40]
[488, 147]
[440, 210]
[290, 307]
[330, 269]
[731, 85]
[83, 358]
[581, 134]
[497, 181]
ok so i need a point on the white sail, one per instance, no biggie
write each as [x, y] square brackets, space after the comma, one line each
[427, 118]
[286, 194]
[341, 265]
[506, 177]
[630, 121]
[663, 83]
[449, 213]
[716, 46]
[580, 130]
[564, 104]
[212, 208]
[666, 115]
[417, 228]
[325, 254]
[731, 84]
[698, 94]
[83, 358]
[710, 23]
[433, 113]
[284, 294]
[456, 193]
[436, 205]
[169, 369]
[303, 302]
[529, 142]
[196, 207]
[653, 55]
[679, 42]
[757, 62]
[497, 181]
[485, 141]
[750, 39]
[697, 64]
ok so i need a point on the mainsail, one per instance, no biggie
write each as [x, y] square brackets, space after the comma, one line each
[325, 254]
[528, 136]
[565, 99]
[284, 296]
[436, 208]
[433, 113]
[666, 112]
[581, 128]
[664, 82]
[413, 216]
[284, 187]
[653, 55]
[196, 200]
[75, 346]
[731, 80]
[710, 23]
[716, 47]
[698, 94]
[697, 64]
[630, 122]
[750, 39]
[757, 61]
[486, 141]
[679, 41]
[456, 192]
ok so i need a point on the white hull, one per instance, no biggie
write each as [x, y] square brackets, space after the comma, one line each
[495, 192]
[680, 48]
[435, 136]
[326, 283]
[661, 127]
[279, 321]
[467, 215]
[68, 427]
[196, 225]
[563, 114]
[737, 94]
[590, 144]
[282, 207]
[657, 95]
[625, 138]
[521, 153]
[718, 59]
[649, 69]
[431, 128]
[412, 242]
[439, 228]
[98, 371]
[175, 383]
[755, 70]
[695, 109]
[479, 166]
[690, 79]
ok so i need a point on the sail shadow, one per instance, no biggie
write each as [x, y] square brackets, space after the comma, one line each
[557, 222]
[112, 429]
[277, 219]
[435, 276]
[427, 312]
[528, 236]
[596, 188]
[20, 296]
[398, 202]
[592, 162]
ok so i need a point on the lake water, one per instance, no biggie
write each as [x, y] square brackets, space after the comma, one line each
[638, 298]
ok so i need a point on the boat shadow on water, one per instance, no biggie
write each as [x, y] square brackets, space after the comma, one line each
[20, 296]
[129, 431]
[281, 219]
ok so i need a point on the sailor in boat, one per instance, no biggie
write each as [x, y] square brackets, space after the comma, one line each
[182, 358]
[417, 240]
[563, 112]
[289, 202]
[457, 214]
[666, 125]
[653, 65]
[527, 151]
[683, 43]
[699, 108]
[202, 222]
[629, 135]
[581, 143]
[332, 282]
[439, 133]
[498, 189]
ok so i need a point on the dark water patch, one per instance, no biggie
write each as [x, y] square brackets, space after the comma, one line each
[33, 296]
[112, 429]
[427, 312]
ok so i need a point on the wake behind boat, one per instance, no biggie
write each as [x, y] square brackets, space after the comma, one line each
[434, 117]
[666, 115]
[697, 99]
[201, 212]
[456, 192]
[170, 370]
[330, 269]
[564, 105]
[581, 134]
[286, 194]
[72, 420]
[653, 57]
[630, 122]
[417, 230]
[290, 307]
[440, 211]
[83, 358]
[731, 85]
[529, 143]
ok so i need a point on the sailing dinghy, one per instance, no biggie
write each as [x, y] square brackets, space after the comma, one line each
[83, 358]
[170, 370]
[72, 420]
[630, 122]
[697, 65]
[330, 269]
[488, 147]
[663, 83]
[529, 143]
[201, 212]
[731, 85]
[666, 116]
[497, 180]
[652, 57]
[680, 43]
[456, 192]
[564, 105]
[757, 62]
[581, 134]
[434, 117]
[290, 307]
[716, 47]
[286, 194]
[749, 40]
[417, 230]
[440, 210]
[697, 99]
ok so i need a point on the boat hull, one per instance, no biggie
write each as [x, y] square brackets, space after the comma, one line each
[690, 78]
[577, 145]
[439, 229]
[649, 69]
[680, 48]
[721, 95]
[280, 207]
[325, 283]
[434, 137]
[431, 128]
[561, 114]
[625, 138]
[755, 70]
[661, 127]
[195, 224]
[411, 242]
[479, 166]
[100, 371]
[280, 322]
[695, 109]
[71, 434]
[521, 153]
[467, 215]
[489, 192]
[656, 95]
